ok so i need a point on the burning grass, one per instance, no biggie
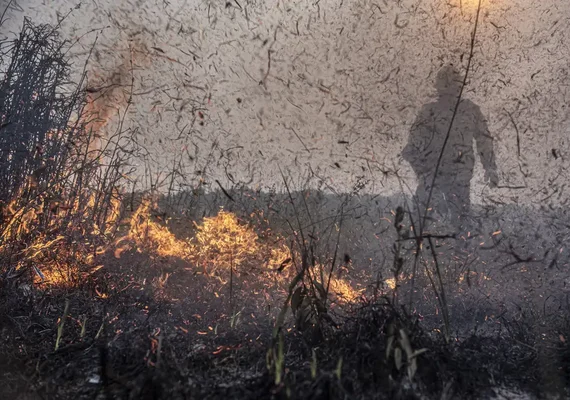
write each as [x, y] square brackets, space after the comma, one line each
[153, 237]
[53, 243]
[343, 291]
[215, 245]
[223, 242]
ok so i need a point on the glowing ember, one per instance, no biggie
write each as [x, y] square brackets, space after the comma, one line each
[343, 292]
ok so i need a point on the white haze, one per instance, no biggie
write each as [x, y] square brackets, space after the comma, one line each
[339, 71]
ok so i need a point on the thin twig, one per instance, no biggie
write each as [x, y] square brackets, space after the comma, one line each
[4, 12]
[334, 256]
[298, 137]
[517, 131]
[445, 308]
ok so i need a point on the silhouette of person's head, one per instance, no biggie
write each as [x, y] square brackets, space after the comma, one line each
[448, 81]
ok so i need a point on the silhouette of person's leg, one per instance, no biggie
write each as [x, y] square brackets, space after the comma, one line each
[459, 208]
[448, 208]
[436, 209]
[418, 208]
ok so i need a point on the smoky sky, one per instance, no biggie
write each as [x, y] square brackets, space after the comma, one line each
[325, 89]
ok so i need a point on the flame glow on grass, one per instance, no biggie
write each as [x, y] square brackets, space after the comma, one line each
[220, 243]
[223, 242]
[342, 291]
[53, 237]
[391, 283]
[154, 237]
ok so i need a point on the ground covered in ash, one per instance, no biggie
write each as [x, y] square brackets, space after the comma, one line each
[145, 322]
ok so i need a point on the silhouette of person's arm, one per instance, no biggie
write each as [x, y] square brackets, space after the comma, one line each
[484, 142]
[409, 152]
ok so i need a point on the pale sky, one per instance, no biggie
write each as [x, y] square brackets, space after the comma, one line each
[328, 86]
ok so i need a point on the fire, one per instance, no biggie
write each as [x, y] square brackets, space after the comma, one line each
[391, 283]
[219, 244]
[55, 237]
[343, 292]
[114, 213]
[20, 221]
[280, 258]
[151, 235]
[223, 242]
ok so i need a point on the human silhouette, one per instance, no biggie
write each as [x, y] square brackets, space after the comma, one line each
[450, 203]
